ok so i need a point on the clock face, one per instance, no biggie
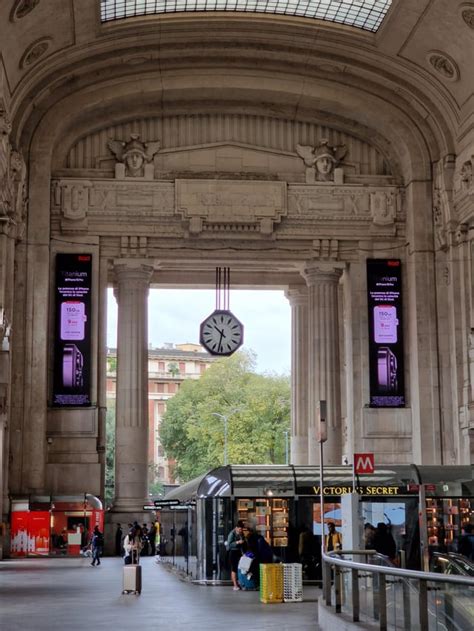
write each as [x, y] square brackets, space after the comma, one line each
[221, 333]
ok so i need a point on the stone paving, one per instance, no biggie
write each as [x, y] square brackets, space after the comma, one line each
[69, 595]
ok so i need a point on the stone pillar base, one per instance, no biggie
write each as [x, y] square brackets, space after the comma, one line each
[299, 450]
[313, 447]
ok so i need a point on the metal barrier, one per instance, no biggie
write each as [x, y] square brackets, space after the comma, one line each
[376, 591]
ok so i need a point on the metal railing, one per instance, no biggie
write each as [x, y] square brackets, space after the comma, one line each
[395, 598]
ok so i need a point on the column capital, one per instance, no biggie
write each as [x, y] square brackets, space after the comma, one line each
[297, 295]
[135, 272]
[315, 272]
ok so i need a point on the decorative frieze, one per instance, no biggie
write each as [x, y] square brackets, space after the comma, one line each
[271, 137]
[225, 205]
[378, 205]
[224, 208]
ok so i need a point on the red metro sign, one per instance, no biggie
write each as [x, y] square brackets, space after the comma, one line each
[364, 463]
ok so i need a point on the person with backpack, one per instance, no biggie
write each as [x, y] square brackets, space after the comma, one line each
[97, 543]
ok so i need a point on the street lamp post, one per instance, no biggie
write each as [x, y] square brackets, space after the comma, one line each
[225, 418]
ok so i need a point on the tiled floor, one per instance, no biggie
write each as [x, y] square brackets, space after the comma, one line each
[70, 595]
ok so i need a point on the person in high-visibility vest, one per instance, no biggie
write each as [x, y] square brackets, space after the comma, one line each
[333, 538]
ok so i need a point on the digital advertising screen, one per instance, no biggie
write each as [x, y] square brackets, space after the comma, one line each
[72, 347]
[384, 294]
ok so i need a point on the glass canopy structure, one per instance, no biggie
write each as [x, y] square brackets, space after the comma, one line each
[363, 14]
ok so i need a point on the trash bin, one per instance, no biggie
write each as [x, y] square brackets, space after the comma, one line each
[292, 582]
[271, 583]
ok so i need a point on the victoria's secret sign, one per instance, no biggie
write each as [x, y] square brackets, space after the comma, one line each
[384, 297]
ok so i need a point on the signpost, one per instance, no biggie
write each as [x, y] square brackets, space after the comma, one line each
[165, 503]
[364, 463]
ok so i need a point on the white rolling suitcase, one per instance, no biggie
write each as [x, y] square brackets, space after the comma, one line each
[132, 577]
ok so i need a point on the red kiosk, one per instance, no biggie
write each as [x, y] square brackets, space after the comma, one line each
[53, 525]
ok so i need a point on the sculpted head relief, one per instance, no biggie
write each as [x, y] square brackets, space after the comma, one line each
[134, 154]
[322, 159]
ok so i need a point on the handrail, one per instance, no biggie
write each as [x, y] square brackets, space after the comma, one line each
[394, 571]
[455, 614]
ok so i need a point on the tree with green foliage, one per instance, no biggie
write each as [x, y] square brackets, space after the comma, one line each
[257, 408]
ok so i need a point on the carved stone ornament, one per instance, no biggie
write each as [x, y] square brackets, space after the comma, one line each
[383, 208]
[442, 201]
[22, 8]
[34, 52]
[13, 201]
[6, 185]
[134, 156]
[466, 174]
[467, 14]
[444, 65]
[73, 198]
[320, 161]
[230, 206]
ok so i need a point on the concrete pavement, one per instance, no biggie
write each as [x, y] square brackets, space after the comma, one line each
[70, 595]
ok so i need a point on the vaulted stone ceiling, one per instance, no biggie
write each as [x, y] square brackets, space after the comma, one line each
[413, 75]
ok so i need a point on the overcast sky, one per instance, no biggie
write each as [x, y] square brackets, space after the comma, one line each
[175, 315]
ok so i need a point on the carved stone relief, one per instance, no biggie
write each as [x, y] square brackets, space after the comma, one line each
[274, 139]
[133, 157]
[225, 208]
[383, 208]
[348, 203]
[34, 52]
[467, 14]
[442, 200]
[22, 8]
[444, 65]
[13, 199]
[225, 205]
[321, 161]
[466, 174]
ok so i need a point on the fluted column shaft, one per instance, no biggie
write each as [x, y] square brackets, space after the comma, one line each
[298, 299]
[131, 438]
[324, 363]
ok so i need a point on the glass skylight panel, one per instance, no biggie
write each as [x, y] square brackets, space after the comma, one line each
[363, 14]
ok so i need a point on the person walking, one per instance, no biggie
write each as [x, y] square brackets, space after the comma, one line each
[152, 538]
[132, 545]
[97, 542]
[118, 540]
[333, 538]
[235, 546]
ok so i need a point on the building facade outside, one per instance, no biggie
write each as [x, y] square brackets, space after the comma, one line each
[168, 367]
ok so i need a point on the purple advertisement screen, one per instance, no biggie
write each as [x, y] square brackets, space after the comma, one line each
[384, 297]
[71, 383]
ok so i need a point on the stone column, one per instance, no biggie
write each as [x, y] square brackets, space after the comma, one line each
[298, 299]
[131, 438]
[324, 367]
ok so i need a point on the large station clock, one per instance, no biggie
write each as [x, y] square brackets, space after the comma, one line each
[221, 333]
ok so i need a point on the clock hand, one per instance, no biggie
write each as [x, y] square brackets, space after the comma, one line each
[219, 347]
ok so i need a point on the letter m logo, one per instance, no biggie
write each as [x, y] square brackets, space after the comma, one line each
[364, 463]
